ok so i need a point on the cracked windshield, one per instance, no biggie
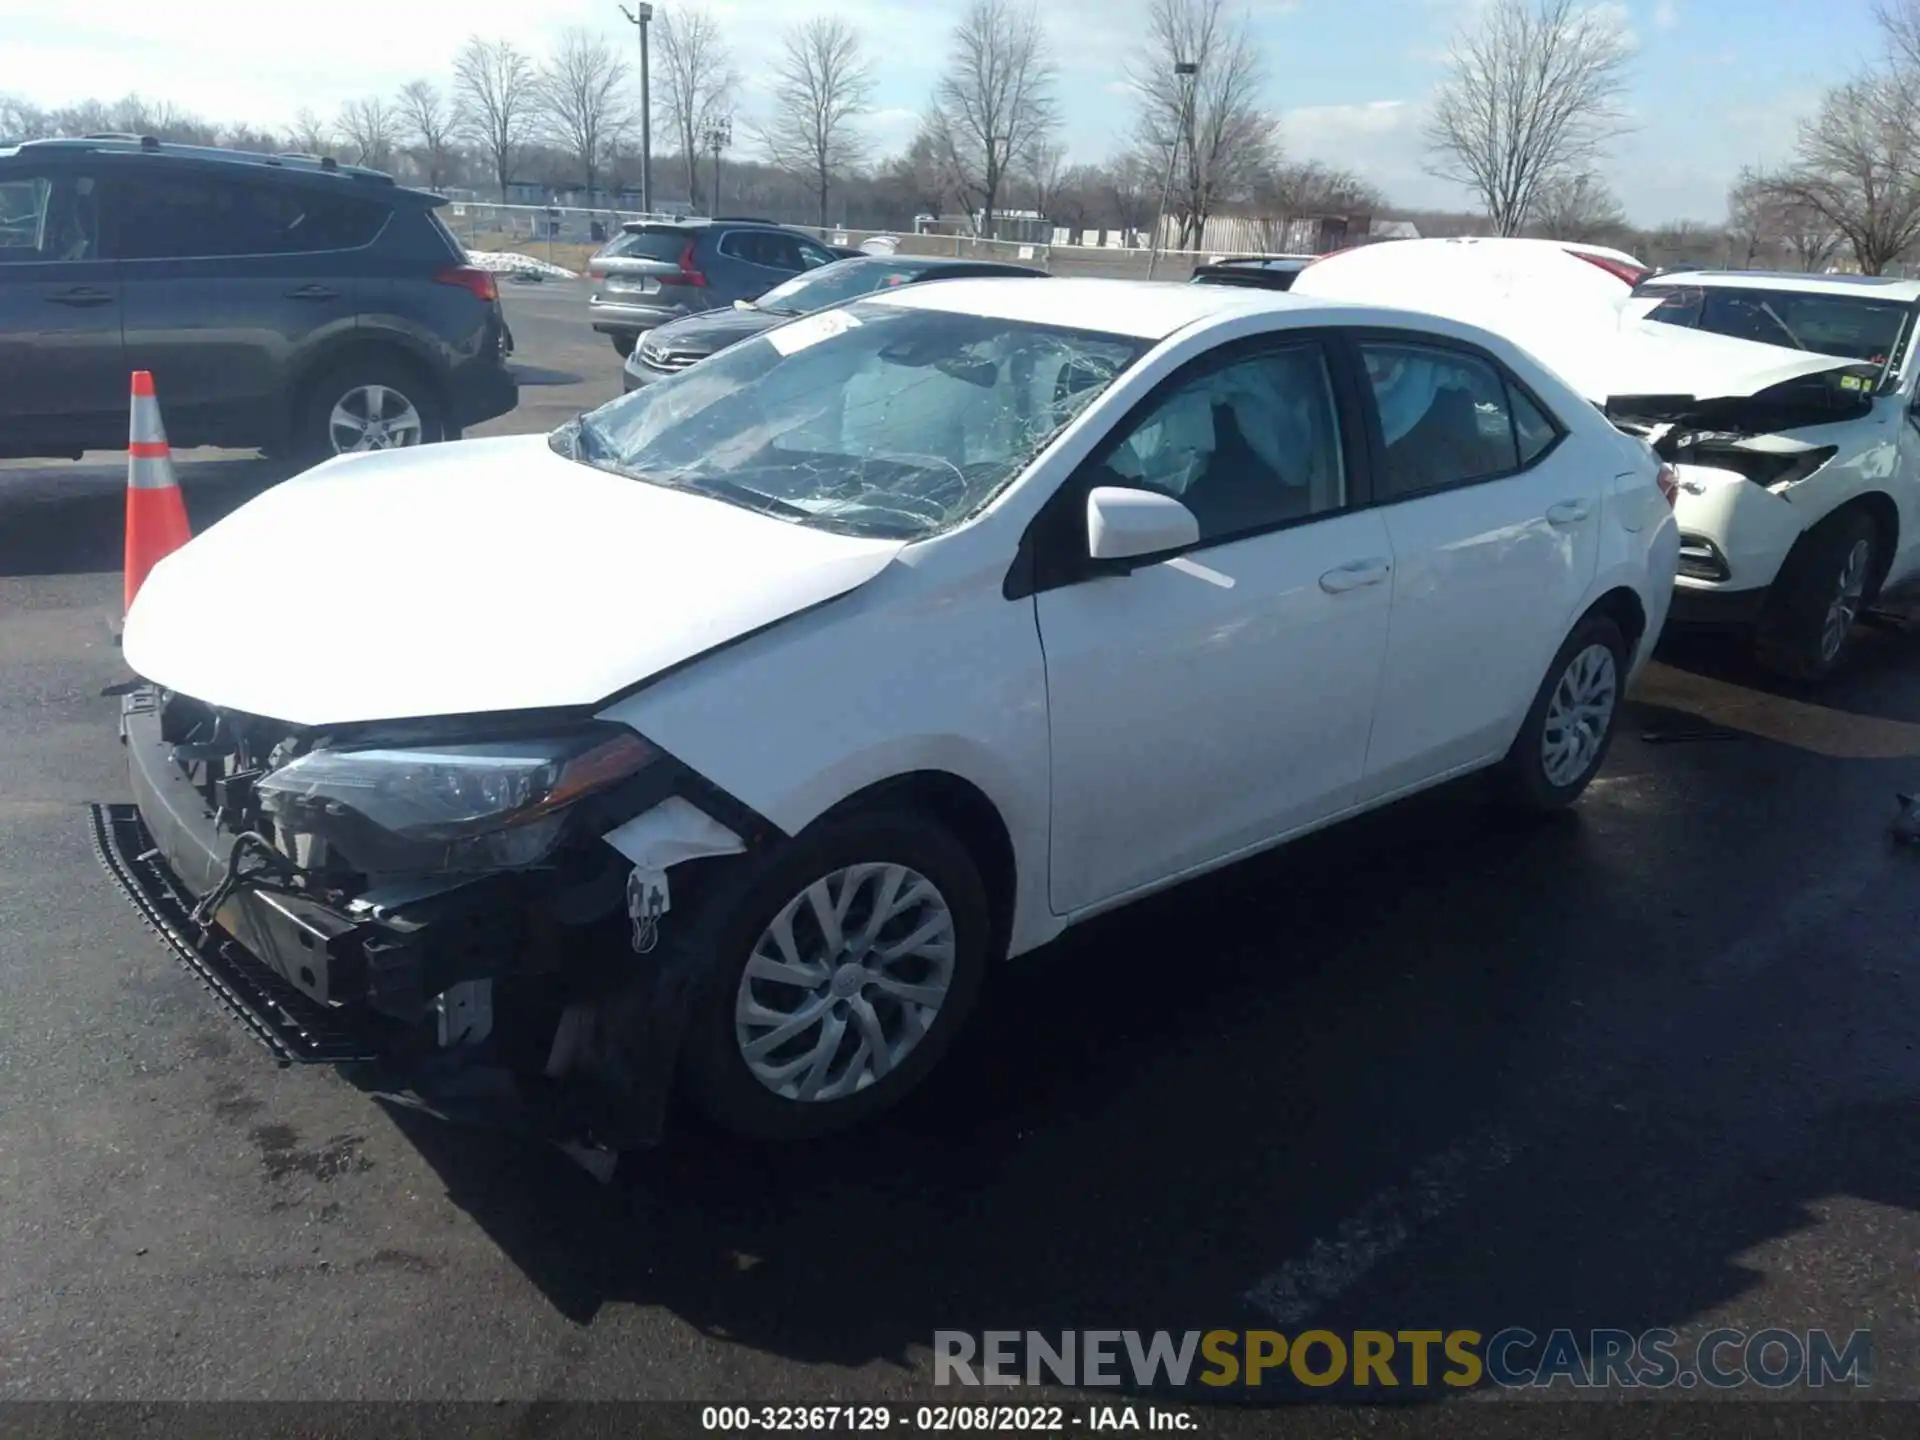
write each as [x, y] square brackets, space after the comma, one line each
[874, 419]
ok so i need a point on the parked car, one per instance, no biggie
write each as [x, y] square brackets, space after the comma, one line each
[658, 270]
[284, 302]
[674, 346]
[1062, 592]
[1262, 272]
[1786, 402]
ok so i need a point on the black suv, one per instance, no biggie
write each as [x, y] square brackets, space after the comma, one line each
[283, 302]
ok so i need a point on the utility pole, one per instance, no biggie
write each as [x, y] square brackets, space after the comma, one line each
[719, 137]
[639, 16]
[1184, 70]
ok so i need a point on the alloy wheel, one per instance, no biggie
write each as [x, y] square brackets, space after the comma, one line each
[1844, 608]
[374, 417]
[1579, 716]
[845, 982]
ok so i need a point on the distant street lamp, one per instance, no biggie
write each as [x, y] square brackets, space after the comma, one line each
[719, 137]
[1184, 71]
[639, 16]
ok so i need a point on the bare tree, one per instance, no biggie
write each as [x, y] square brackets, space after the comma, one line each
[1212, 125]
[1073, 196]
[1130, 192]
[582, 96]
[309, 134]
[1580, 206]
[429, 124]
[696, 80]
[1899, 22]
[995, 102]
[1534, 94]
[823, 83]
[495, 101]
[1042, 168]
[1858, 166]
[371, 128]
[19, 120]
[1307, 189]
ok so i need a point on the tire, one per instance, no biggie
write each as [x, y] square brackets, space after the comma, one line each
[624, 344]
[1815, 602]
[715, 1070]
[349, 386]
[1526, 778]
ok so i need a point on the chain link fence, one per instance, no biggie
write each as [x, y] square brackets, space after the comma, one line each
[567, 236]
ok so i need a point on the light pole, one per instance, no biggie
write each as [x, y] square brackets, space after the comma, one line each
[639, 16]
[1184, 71]
[719, 137]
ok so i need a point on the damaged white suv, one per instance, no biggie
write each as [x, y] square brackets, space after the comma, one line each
[1800, 501]
[725, 739]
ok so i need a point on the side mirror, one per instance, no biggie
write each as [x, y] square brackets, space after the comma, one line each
[743, 305]
[1126, 524]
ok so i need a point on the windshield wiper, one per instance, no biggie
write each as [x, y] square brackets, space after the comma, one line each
[746, 497]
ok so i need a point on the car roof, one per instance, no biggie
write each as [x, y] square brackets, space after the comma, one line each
[1263, 262]
[1878, 287]
[709, 222]
[1144, 309]
[146, 145]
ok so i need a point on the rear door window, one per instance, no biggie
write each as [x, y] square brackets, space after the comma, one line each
[765, 248]
[49, 218]
[195, 216]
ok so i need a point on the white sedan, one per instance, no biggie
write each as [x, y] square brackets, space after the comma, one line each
[730, 737]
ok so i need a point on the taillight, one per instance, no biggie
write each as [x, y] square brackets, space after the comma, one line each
[1669, 482]
[688, 274]
[1619, 269]
[472, 278]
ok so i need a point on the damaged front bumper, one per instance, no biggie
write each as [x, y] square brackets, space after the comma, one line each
[511, 1000]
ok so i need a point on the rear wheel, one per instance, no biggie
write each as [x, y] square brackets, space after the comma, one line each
[372, 404]
[843, 970]
[1816, 600]
[624, 344]
[1567, 732]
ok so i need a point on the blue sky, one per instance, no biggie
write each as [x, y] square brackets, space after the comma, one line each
[1716, 83]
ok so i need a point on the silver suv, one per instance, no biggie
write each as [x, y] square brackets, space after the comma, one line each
[660, 270]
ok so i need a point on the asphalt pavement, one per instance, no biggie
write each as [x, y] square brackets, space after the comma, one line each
[1650, 1065]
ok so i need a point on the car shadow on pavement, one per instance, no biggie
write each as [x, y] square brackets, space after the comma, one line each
[73, 521]
[1878, 677]
[1153, 1113]
[539, 375]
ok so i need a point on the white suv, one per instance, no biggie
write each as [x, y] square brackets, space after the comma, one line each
[1800, 502]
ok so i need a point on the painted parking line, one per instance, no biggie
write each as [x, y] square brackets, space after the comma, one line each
[1380, 1228]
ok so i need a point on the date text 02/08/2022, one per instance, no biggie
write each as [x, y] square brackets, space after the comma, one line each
[938, 1419]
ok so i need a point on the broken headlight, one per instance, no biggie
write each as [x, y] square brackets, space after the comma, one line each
[448, 809]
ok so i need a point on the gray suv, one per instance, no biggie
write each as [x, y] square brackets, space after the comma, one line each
[660, 270]
[286, 303]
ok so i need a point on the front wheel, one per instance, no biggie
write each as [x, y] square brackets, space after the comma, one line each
[1567, 732]
[842, 973]
[1816, 600]
[624, 344]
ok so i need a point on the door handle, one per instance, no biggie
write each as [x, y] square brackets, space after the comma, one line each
[81, 295]
[1568, 512]
[1353, 575]
[313, 292]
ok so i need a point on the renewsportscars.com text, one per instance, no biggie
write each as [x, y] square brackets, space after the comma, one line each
[1512, 1358]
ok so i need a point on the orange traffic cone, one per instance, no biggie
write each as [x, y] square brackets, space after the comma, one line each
[156, 515]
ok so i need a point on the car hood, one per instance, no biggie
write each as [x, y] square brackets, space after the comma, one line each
[706, 333]
[488, 575]
[1575, 317]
